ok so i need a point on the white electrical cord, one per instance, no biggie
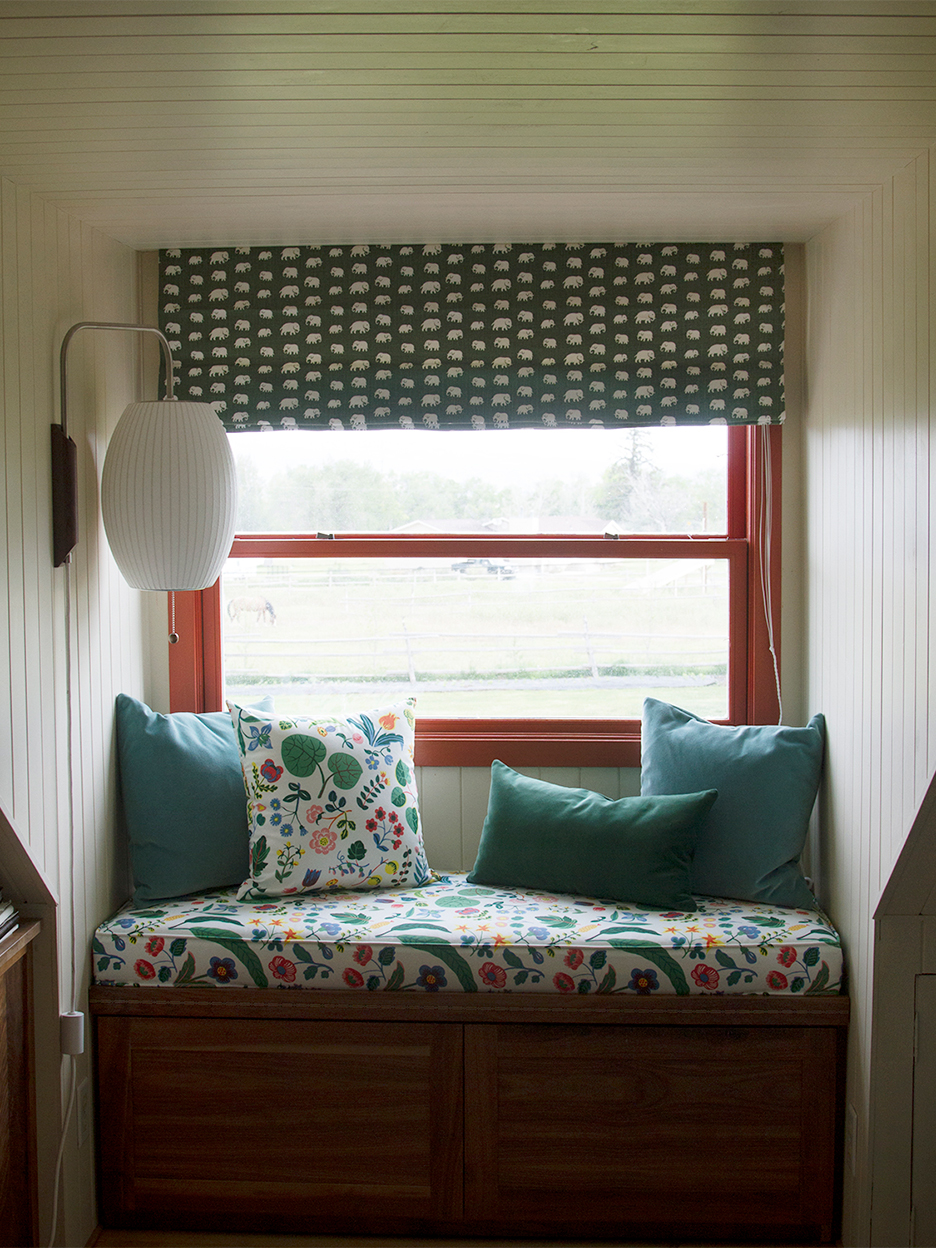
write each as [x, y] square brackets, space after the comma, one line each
[764, 552]
[61, 1149]
[69, 716]
[73, 996]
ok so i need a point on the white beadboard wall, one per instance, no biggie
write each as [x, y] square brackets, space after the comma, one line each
[871, 572]
[56, 271]
[453, 802]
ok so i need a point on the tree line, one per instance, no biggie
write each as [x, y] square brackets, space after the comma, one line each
[631, 495]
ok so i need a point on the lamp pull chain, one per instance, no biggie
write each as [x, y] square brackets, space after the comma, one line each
[173, 636]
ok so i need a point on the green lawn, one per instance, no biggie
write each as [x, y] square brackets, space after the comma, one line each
[528, 645]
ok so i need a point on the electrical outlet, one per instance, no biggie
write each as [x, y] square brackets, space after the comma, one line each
[851, 1132]
[84, 1112]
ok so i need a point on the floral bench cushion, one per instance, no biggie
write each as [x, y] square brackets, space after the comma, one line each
[452, 936]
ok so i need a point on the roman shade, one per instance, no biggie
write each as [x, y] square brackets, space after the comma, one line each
[478, 336]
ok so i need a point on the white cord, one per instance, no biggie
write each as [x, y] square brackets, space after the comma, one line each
[73, 995]
[71, 785]
[73, 1067]
[764, 552]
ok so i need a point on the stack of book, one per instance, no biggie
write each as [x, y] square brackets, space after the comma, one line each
[9, 916]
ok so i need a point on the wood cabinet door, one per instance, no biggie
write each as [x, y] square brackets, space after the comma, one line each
[292, 1124]
[923, 1173]
[17, 1161]
[646, 1129]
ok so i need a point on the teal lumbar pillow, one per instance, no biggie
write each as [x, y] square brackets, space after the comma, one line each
[767, 777]
[545, 836]
[184, 800]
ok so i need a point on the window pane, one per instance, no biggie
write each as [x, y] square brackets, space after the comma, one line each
[479, 638]
[655, 480]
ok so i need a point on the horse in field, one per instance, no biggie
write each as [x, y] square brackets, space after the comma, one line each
[243, 610]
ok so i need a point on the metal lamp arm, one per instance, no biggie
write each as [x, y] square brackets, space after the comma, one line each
[141, 329]
[64, 453]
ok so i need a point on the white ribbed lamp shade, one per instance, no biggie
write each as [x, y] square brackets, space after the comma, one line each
[169, 495]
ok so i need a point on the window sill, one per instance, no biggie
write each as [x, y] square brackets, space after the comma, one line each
[527, 743]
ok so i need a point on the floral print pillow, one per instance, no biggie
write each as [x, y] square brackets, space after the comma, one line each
[331, 801]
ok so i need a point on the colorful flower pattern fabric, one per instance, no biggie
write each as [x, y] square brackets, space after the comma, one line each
[331, 802]
[452, 936]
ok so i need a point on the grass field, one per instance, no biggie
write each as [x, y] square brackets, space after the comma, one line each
[534, 638]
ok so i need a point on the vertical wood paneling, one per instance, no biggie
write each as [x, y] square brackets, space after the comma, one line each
[453, 802]
[48, 624]
[7, 376]
[30, 802]
[930, 383]
[56, 271]
[923, 430]
[865, 584]
[475, 785]
[868, 462]
[14, 522]
[440, 807]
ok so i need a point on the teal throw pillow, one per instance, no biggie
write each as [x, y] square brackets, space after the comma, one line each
[184, 800]
[766, 776]
[560, 840]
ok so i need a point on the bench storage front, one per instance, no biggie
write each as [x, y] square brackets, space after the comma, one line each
[474, 1061]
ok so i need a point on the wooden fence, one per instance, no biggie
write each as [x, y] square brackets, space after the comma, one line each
[426, 656]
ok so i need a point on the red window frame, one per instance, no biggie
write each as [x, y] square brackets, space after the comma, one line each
[195, 676]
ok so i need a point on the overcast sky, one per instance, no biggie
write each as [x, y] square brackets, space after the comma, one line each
[493, 455]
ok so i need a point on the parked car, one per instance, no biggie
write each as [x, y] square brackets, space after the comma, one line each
[494, 567]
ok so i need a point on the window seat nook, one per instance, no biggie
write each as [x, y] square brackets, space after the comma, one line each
[463, 1059]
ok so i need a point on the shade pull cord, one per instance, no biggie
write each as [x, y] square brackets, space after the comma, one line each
[764, 553]
[173, 635]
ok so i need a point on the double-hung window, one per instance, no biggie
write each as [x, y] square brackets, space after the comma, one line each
[529, 617]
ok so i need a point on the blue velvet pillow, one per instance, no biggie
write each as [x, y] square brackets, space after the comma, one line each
[766, 776]
[183, 798]
[545, 836]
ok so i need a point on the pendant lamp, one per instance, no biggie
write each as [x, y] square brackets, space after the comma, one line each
[168, 489]
[169, 495]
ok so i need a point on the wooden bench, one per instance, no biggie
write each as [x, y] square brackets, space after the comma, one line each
[471, 1114]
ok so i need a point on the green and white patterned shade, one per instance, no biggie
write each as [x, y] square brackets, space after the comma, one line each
[478, 336]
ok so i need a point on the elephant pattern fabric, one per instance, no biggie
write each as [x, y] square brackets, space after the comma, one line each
[479, 335]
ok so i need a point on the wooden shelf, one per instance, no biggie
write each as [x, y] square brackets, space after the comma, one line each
[14, 944]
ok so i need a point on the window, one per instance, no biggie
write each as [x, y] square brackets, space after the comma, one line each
[532, 646]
